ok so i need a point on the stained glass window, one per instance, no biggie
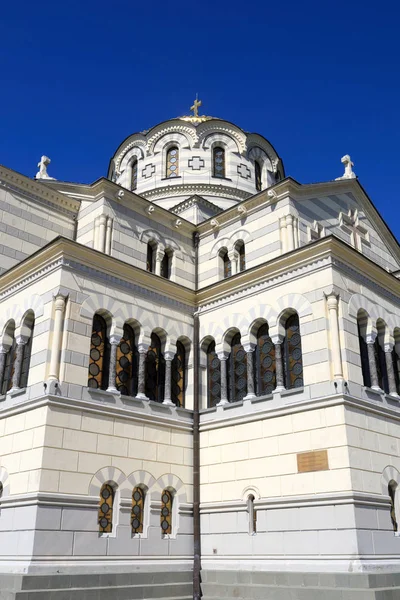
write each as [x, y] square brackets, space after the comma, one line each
[381, 369]
[392, 488]
[364, 358]
[219, 162]
[166, 512]
[237, 370]
[134, 174]
[257, 172]
[150, 258]
[106, 508]
[127, 363]
[178, 376]
[166, 265]
[155, 370]
[27, 358]
[242, 257]
[137, 514]
[227, 264]
[293, 354]
[265, 360]
[172, 162]
[9, 368]
[99, 355]
[214, 376]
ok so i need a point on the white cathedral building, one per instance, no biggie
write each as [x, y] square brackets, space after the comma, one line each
[199, 378]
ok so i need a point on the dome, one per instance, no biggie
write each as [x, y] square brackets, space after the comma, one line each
[196, 155]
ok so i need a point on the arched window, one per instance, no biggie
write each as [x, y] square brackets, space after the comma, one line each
[242, 256]
[396, 364]
[252, 515]
[237, 370]
[9, 367]
[127, 363]
[293, 354]
[225, 264]
[106, 508]
[380, 359]
[99, 355]
[213, 376]
[166, 512]
[137, 514]
[155, 370]
[265, 362]
[257, 174]
[27, 357]
[178, 376]
[361, 327]
[166, 265]
[392, 489]
[172, 162]
[219, 162]
[134, 176]
[150, 260]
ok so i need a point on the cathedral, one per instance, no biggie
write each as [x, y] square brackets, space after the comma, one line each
[199, 378]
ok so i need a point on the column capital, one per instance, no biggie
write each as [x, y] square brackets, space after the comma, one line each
[143, 348]
[103, 218]
[282, 221]
[233, 254]
[4, 349]
[115, 339]
[159, 254]
[332, 301]
[371, 337]
[169, 355]
[249, 346]
[289, 218]
[388, 346]
[21, 340]
[223, 355]
[59, 301]
[277, 338]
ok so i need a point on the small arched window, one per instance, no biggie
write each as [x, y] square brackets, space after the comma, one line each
[213, 376]
[166, 512]
[237, 370]
[137, 513]
[225, 266]
[293, 354]
[99, 355]
[106, 508]
[172, 162]
[252, 515]
[9, 367]
[392, 489]
[150, 259]
[134, 176]
[178, 376]
[380, 360]
[166, 265]
[23, 382]
[155, 370]
[257, 174]
[127, 363]
[242, 256]
[265, 361]
[219, 162]
[361, 327]
[396, 364]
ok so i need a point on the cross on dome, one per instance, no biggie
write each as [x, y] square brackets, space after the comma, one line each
[195, 108]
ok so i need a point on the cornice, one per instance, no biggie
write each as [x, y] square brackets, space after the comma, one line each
[192, 189]
[192, 201]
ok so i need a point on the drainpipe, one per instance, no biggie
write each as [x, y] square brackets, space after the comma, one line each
[196, 439]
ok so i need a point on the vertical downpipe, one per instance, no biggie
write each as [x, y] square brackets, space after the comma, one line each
[196, 438]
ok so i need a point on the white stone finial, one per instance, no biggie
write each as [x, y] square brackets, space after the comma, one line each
[43, 164]
[348, 169]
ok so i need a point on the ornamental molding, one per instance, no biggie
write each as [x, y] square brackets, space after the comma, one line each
[32, 277]
[194, 189]
[204, 130]
[195, 201]
[178, 128]
[140, 142]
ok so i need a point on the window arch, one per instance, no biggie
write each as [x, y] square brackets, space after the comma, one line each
[178, 375]
[106, 507]
[29, 327]
[380, 358]
[9, 361]
[219, 162]
[293, 354]
[127, 363]
[237, 370]
[392, 490]
[396, 362]
[172, 166]
[155, 370]
[134, 174]
[265, 362]
[166, 512]
[166, 264]
[362, 320]
[99, 355]
[258, 175]
[137, 513]
[213, 376]
[252, 514]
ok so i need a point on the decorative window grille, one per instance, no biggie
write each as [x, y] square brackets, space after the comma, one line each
[155, 370]
[166, 512]
[178, 376]
[137, 514]
[172, 162]
[257, 173]
[213, 376]
[106, 508]
[293, 354]
[265, 361]
[219, 162]
[237, 370]
[127, 363]
[99, 355]
[134, 178]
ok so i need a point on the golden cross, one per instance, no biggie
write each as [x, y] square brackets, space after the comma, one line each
[195, 107]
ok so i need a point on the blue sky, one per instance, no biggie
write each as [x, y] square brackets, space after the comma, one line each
[318, 79]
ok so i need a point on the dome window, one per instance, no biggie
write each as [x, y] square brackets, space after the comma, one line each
[219, 162]
[134, 174]
[172, 163]
[257, 174]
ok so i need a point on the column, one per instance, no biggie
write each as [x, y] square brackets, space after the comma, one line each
[296, 233]
[96, 234]
[277, 340]
[290, 236]
[249, 348]
[142, 349]
[371, 361]
[282, 223]
[114, 341]
[223, 357]
[159, 257]
[169, 356]
[233, 257]
[333, 306]
[390, 370]
[21, 343]
[108, 235]
[3, 358]
[59, 309]
[102, 232]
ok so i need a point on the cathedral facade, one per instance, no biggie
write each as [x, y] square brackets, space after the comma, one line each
[199, 378]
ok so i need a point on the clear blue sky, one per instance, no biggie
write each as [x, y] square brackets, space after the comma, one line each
[318, 79]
